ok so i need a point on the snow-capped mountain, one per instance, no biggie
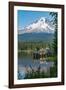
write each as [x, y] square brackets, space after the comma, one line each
[43, 25]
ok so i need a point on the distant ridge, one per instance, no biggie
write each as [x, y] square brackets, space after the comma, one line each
[44, 37]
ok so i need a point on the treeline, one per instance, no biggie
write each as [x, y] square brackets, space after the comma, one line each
[32, 45]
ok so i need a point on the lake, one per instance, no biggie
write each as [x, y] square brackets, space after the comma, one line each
[26, 63]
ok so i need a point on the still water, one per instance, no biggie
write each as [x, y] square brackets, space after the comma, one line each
[27, 63]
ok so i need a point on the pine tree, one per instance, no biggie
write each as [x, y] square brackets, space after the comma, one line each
[55, 23]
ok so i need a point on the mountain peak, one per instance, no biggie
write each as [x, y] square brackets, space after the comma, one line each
[42, 25]
[42, 19]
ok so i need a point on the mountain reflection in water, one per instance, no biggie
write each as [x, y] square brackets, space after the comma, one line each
[26, 64]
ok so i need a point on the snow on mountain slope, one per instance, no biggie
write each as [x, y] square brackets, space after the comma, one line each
[43, 25]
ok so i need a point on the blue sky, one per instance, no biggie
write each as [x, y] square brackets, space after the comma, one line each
[27, 17]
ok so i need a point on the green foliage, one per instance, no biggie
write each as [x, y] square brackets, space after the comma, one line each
[32, 45]
[52, 58]
[55, 23]
[36, 74]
